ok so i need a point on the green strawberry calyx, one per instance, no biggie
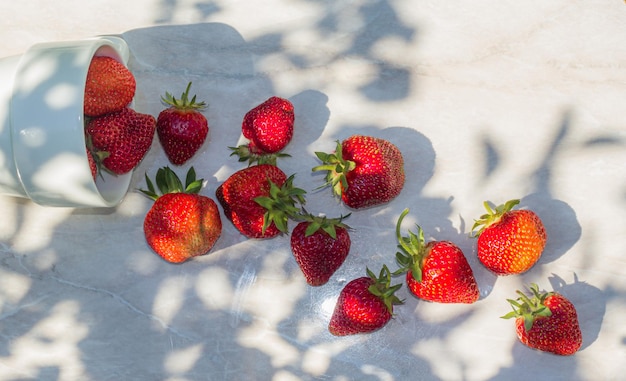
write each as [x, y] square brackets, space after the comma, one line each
[168, 182]
[98, 157]
[183, 103]
[492, 216]
[529, 308]
[316, 223]
[336, 167]
[280, 204]
[412, 250]
[244, 153]
[382, 288]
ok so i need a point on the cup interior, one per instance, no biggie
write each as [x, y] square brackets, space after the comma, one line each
[47, 122]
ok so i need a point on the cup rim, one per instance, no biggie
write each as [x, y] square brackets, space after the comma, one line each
[48, 99]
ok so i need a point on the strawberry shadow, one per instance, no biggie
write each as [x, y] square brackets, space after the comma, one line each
[560, 222]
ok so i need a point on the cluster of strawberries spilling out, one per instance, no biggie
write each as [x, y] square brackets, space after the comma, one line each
[119, 137]
[260, 200]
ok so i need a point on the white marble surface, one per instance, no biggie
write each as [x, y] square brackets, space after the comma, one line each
[488, 101]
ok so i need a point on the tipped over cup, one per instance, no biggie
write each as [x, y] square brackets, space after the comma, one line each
[43, 153]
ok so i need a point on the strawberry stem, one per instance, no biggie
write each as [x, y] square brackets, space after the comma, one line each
[413, 250]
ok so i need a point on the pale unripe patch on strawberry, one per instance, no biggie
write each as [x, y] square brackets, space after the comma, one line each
[509, 241]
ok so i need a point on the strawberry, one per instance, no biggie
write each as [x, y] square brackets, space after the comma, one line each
[109, 87]
[509, 241]
[93, 166]
[181, 223]
[436, 271]
[181, 128]
[125, 135]
[320, 245]
[94, 157]
[269, 128]
[364, 171]
[546, 321]
[365, 304]
[259, 200]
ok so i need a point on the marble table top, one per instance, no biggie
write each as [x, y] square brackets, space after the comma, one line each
[487, 101]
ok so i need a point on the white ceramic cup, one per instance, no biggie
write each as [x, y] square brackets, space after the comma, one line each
[42, 142]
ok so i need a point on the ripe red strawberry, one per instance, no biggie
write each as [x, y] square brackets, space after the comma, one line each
[259, 200]
[320, 245]
[269, 128]
[364, 305]
[436, 271]
[364, 171]
[546, 321]
[182, 223]
[181, 128]
[509, 241]
[109, 87]
[125, 135]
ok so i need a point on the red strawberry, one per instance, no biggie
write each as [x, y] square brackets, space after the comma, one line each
[259, 200]
[182, 223]
[365, 304]
[509, 241]
[364, 171]
[94, 158]
[437, 271]
[181, 128]
[546, 321]
[125, 135]
[269, 127]
[92, 164]
[109, 87]
[320, 245]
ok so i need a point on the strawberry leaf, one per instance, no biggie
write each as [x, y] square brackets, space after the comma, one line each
[492, 216]
[168, 182]
[529, 308]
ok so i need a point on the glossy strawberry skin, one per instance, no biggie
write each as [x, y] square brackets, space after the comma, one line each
[181, 133]
[378, 176]
[109, 87]
[446, 276]
[319, 255]
[513, 244]
[559, 333]
[180, 226]
[236, 196]
[126, 135]
[358, 310]
[269, 126]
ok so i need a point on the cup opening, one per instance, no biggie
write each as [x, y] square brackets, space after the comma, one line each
[48, 124]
